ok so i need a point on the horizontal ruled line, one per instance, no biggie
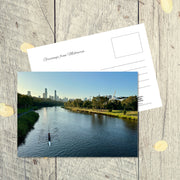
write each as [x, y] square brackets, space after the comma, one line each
[144, 86]
[144, 104]
[123, 65]
[144, 80]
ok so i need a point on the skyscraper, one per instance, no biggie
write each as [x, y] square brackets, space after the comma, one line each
[50, 97]
[55, 96]
[46, 95]
[29, 93]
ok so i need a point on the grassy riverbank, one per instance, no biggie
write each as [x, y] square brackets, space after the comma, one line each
[24, 110]
[25, 124]
[130, 115]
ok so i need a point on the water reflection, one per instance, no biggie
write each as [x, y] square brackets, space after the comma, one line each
[80, 135]
[130, 124]
[45, 117]
[98, 120]
[101, 120]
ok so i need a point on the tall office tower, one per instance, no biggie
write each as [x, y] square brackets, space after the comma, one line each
[55, 96]
[46, 95]
[50, 97]
[29, 93]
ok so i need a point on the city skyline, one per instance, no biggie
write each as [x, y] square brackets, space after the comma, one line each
[45, 95]
[77, 84]
[65, 99]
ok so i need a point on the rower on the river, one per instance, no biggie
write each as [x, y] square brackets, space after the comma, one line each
[49, 139]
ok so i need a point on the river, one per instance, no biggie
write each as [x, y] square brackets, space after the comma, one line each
[79, 135]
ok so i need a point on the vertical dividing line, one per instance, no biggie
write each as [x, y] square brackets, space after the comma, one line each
[138, 11]
[138, 147]
[55, 168]
[25, 169]
[55, 42]
[54, 21]
[138, 107]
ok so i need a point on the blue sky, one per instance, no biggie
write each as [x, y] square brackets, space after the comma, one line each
[78, 84]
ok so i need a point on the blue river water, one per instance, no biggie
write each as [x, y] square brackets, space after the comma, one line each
[80, 135]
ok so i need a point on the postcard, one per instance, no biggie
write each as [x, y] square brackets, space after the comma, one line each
[125, 49]
[77, 114]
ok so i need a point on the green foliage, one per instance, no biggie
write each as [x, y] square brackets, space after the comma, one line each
[101, 102]
[23, 110]
[130, 103]
[77, 103]
[130, 115]
[27, 121]
[26, 102]
[25, 124]
[74, 103]
[124, 112]
[87, 104]
[115, 105]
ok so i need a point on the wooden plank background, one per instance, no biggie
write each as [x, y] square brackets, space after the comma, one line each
[43, 22]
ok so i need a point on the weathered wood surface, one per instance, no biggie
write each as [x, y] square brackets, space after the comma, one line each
[20, 21]
[163, 32]
[33, 22]
[81, 18]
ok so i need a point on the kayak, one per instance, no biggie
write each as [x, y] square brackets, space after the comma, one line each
[49, 139]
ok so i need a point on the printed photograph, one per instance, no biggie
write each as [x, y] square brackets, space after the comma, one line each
[77, 114]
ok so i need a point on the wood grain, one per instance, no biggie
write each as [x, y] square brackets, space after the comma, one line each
[162, 123]
[20, 21]
[33, 22]
[81, 18]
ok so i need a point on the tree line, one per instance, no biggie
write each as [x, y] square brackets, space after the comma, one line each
[25, 101]
[101, 102]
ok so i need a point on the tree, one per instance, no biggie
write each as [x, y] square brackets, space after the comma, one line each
[130, 103]
[100, 102]
[25, 101]
[87, 104]
[77, 103]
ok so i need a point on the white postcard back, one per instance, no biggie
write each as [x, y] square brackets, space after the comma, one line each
[124, 49]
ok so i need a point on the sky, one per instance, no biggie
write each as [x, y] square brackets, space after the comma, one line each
[78, 84]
